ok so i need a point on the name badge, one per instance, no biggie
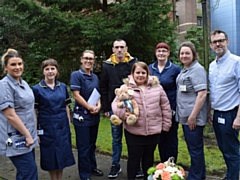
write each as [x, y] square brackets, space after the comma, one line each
[183, 88]
[40, 132]
[75, 115]
[20, 143]
[221, 120]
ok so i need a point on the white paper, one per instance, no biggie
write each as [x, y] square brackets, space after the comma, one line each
[93, 99]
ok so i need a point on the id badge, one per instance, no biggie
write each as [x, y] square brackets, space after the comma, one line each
[183, 88]
[221, 120]
[20, 143]
[40, 132]
[75, 116]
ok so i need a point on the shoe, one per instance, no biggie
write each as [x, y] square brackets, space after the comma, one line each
[139, 174]
[97, 172]
[115, 170]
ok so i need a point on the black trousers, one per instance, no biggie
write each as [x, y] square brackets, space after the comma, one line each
[137, 154]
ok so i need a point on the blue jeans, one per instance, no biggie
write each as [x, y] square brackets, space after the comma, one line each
[117, 132]
[26, 166]
[194, 140]
[228, 142]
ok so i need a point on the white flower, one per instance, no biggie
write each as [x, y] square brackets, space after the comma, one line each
[169, 167]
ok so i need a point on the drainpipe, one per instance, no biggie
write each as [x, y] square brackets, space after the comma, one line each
[205, 34]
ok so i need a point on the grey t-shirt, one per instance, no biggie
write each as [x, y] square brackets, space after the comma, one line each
[189, 82]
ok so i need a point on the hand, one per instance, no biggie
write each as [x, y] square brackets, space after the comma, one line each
[38, 140]
[95, 110]
[91, 108]
[29, 141]
[236, 124]
[192, 122]
[127, 113]
[210, 117]
[107, 114]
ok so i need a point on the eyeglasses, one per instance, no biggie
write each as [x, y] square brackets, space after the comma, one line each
[117, 47]
[88, 58]
[162, 51]
[218, 41]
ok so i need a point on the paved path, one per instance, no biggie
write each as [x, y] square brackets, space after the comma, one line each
[7, 170]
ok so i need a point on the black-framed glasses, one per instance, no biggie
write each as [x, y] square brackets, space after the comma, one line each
[219, 41]
[88, 58]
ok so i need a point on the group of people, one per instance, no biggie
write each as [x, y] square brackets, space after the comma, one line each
[165, 93]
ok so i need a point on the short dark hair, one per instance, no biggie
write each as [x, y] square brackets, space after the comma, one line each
[118, 40]
[218, 31]
[49, 62]
[191, 46]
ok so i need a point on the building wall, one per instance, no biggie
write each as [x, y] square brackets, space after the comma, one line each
[225, 15]
[187, 16]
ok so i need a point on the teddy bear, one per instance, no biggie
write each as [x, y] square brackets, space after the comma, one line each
[124, 100]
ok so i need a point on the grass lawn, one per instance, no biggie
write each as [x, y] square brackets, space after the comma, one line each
[214, 161]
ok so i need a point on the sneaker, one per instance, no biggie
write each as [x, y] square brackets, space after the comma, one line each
[139, 174]
[115, 170]
[97, 172]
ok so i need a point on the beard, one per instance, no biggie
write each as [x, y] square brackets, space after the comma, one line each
[220, 52]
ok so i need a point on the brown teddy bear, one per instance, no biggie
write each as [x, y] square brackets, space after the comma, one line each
[125, 95]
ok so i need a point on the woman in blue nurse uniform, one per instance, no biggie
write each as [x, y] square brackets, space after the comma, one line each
[86, 116]
[53, 121]
[18, 136]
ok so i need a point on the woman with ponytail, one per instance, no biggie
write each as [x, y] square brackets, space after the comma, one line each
[18, 136]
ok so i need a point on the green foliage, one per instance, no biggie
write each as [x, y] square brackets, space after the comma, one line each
[195, 35]
[63, 29]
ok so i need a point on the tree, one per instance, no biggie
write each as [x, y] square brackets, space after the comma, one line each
[63, 29]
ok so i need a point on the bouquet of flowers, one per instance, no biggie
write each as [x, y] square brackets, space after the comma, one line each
[166, 171]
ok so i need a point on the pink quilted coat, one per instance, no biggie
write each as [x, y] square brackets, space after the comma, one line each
[154, 108]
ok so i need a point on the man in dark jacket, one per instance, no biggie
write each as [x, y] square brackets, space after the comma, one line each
[114, 70]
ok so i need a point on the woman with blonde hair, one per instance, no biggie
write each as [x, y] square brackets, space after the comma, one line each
[18, 136]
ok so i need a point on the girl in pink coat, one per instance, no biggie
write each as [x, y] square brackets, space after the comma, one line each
[154, 116]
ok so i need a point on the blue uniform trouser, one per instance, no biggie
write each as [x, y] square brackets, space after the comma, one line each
[26, 166]
[86, 137]
[228, 142]
[168, 143]
[194, 140]
[117, 132]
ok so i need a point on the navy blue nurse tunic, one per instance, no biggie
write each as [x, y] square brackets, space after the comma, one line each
[55, 143]
[85, 84]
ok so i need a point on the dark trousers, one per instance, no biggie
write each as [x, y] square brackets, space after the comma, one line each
[137, 153]
[26, 166]
[194, 140]
[228, 142]
[168, 143]
[86, 137]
